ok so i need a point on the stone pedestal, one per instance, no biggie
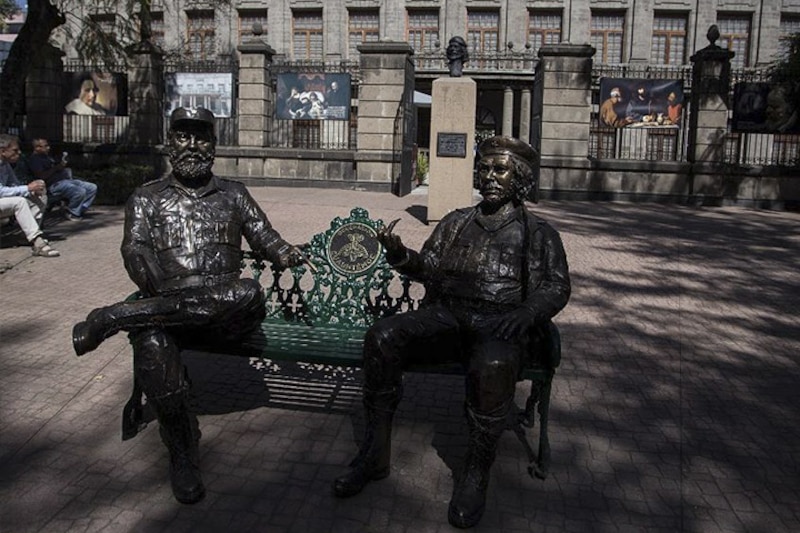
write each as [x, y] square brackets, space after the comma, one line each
[452, 145]
[256, 96]
[146, 95]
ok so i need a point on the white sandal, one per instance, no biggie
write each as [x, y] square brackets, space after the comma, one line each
[45, 251]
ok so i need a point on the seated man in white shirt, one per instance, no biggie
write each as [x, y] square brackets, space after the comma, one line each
[26, 203]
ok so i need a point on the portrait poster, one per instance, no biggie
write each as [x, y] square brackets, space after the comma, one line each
[760, 107]
[631, 102]
[313, 96]
[95, 93]
[211, 90]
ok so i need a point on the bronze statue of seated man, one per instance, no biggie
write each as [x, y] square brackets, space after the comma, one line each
[491, 272]
[182, 247]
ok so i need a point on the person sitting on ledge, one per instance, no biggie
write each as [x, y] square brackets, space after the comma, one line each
[58, 176]
[26, 203]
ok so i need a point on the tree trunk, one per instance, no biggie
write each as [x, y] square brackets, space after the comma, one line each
[43, 17]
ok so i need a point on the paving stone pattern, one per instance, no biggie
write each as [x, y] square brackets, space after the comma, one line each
[675, 408]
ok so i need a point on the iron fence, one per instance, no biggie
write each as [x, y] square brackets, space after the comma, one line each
[316, 134]
[641, 142]
[746, 148]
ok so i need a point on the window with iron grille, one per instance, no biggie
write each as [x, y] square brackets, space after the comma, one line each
[606, 35]
[307, 37]
[157, 28]
[200, 34]
[483, 31]
[247, 19]
[422, 29]
[669, 39]
[734, 29]
[363, 26]
[790, 25]
[544, 27]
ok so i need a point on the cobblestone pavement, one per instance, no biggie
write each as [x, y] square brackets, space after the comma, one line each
[675, 407]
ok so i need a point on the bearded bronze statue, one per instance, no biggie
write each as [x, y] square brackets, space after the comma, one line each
[492, 274]
[182, 247]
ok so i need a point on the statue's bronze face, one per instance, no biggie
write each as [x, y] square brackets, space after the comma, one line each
[496, 174]
[191, 149]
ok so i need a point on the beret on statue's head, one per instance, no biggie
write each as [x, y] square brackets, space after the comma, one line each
[520, 150]
[197, 116]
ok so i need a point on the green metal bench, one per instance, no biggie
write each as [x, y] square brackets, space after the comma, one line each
[320, 315]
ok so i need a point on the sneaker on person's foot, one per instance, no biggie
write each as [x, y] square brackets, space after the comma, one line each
[72, 218]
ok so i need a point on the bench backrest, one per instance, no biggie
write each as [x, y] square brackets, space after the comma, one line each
[353, 284]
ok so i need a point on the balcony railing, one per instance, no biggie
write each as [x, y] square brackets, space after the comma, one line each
[508, 62]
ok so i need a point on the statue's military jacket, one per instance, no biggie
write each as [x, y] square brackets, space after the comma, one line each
[174, 232]
[519, 261]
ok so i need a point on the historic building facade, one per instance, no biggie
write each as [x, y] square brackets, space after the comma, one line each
[504, 36]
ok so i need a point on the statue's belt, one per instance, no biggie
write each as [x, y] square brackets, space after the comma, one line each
[197, 280]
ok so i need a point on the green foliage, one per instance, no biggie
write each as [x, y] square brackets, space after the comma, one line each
[788, 66]
[116, 183]
[94, 43]
[423, 167]
[7, 9]
[786, 70]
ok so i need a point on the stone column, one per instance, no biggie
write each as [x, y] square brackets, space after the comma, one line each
[508, 112]
[566, 114]
[256, 98]
[386, 74]
[708, 120]
[711, 69]
[43, 101]
[146, 95]
[525, 116]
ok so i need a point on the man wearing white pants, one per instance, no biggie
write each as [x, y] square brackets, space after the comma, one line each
[26, 203]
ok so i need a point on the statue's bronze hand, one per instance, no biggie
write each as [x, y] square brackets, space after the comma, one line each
[395, 249]
[514, 323]
[292, 256]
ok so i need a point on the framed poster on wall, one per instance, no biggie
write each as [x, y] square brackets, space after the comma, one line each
[95, 93]
[212, 90]
[313, 96]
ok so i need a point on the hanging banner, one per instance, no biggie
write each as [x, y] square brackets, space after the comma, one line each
[95, 93]
[640, 103]
[212, 90]
[314, 96]
[760, 107]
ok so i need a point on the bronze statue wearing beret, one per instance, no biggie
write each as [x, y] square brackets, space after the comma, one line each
[492, 272]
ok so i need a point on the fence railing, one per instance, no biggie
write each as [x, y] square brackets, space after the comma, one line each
[642, 142]
[482, 63]
[96, 129]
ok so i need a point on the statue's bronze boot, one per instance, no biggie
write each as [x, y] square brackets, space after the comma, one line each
[104, 322]
[469, 492]
[85, 338]
[373, 460]
[179, 434]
